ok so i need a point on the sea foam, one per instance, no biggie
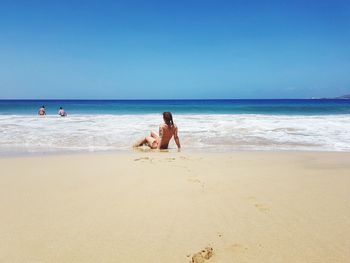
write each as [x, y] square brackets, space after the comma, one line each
[213, 132]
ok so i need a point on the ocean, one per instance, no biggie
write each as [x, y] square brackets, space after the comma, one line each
[204, 125]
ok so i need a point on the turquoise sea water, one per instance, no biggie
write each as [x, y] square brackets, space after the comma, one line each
[117, 107]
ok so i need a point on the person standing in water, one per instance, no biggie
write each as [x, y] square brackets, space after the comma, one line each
[42, 111]
[166, 131]
[61, 112]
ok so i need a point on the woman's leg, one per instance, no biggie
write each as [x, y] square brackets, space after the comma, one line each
[140, 142]
[152, 142]
[154, 135]
[149, 140]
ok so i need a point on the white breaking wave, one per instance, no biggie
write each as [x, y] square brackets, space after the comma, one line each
[221, 132]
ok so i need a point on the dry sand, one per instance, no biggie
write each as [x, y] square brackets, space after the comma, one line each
[167, 207]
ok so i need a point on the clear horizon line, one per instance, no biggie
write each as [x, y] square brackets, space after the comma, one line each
[312, 98]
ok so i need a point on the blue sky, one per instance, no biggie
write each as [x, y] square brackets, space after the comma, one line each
[174, 49]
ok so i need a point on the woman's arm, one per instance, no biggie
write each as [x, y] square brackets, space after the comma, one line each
[176, 138]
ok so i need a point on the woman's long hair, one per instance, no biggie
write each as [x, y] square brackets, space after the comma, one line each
[168, 118]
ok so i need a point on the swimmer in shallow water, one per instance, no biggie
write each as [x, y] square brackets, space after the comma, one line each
[42, 111]
[61, 112]
[166, 131]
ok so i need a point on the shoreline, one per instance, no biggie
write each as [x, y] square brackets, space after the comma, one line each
[146, 150]
[166, 207]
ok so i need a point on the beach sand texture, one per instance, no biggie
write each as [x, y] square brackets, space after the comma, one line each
[168, 207]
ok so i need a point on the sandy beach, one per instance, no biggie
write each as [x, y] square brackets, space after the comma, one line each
[166, 207]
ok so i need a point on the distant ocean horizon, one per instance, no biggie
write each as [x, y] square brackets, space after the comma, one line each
[182, 106]
[204, 124]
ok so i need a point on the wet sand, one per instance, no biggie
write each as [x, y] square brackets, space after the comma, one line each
[168, 207]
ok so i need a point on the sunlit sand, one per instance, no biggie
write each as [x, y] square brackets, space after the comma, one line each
[176, 207]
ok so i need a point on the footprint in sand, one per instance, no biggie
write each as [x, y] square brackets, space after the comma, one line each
[203, 255]
[168, 159]
[262, 207]
[251, 198]
[237, 248]
[259, 206]
[193, 179]
[141, 159]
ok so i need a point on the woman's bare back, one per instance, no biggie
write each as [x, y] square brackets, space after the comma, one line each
[166, 132]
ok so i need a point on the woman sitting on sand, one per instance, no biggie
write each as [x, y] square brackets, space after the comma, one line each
[166, 132]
